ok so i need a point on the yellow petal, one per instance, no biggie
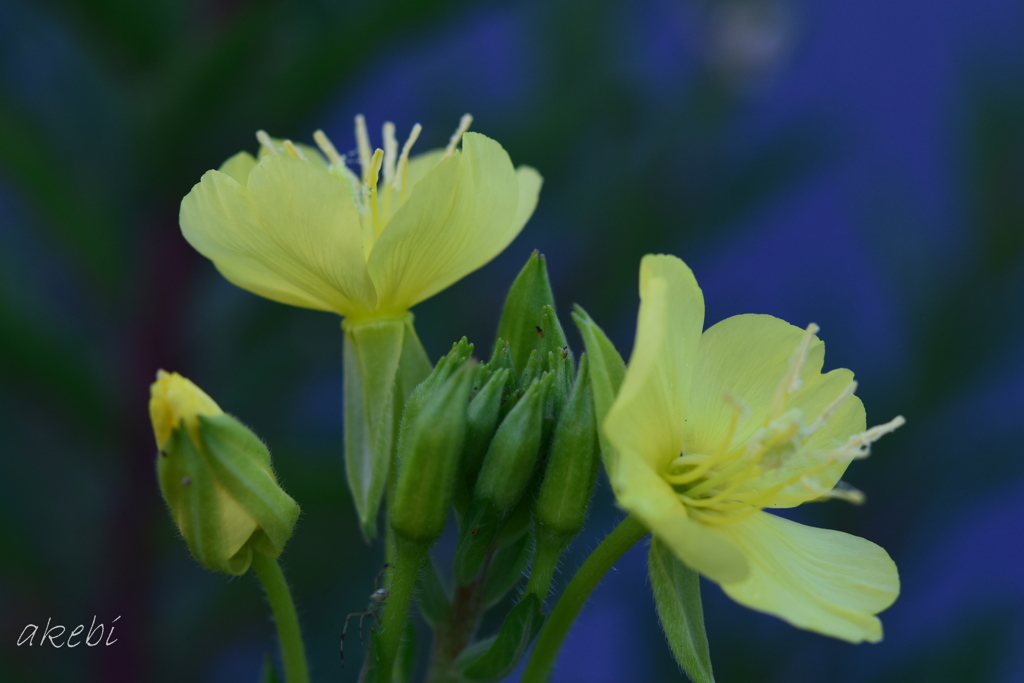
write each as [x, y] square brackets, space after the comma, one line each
[312, 222]
[743, 361]
[817, 579]
[647, 416]
[219, 221]
[420, 165]
[460, 216]
[530, 182]
[238, 167]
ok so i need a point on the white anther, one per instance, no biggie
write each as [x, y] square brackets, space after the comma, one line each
[464, 124]
[265, 140]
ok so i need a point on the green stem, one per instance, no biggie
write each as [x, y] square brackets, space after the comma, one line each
[293, 652]
[556, 628]
[401, 585]
[545, 562]
[452, 637]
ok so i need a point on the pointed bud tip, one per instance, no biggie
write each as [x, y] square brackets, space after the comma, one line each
[174, 399]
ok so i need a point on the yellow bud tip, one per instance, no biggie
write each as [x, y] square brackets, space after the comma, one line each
[464, 124]
[172, 399]
[265, 141]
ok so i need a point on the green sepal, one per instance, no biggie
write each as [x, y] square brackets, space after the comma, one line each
[606, 372]
[433, 596]
[505, 652]
[512, 456]
[536, 364]
[481, 420]
[572, 464]
[371, 357]
[501, 357]
[190, 489]
[561, 364]
[507, 569]
[241, 463]
[676, 590]
[528, 321]
[413, 365]
[479, 528]
[460, 352]
[269, 673]
[428, 459]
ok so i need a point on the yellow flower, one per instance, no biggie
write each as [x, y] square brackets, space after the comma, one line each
[709, 429]
[301, 228]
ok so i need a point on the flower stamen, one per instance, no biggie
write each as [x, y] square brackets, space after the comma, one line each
[363, 145]
[403, 162]
[328, 148]
[833, 407]
[374, 171]
[290, 147]
[791, 381]
[265, 141]
[464, 124]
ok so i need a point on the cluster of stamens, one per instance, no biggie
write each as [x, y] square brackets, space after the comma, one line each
[376, 198]
[724, 486]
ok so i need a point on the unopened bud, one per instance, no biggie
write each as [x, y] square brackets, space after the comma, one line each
[512, 455]
[572, 463]
[528, 321]
[481, 421]
[428, 460]
[216, 478]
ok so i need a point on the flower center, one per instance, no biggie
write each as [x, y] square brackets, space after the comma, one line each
[376, 198]
[737, 480]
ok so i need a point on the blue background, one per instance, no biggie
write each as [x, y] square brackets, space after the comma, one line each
[858, 165]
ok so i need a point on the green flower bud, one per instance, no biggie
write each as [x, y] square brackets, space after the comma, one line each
[512, 455]
[216, 478]
[572, 464]
[481, 421]
[461, 351]
[528, 320]
[428, 457]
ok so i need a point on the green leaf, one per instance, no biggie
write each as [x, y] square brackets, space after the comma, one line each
[677, 599]
[505, 652]
[269, 674]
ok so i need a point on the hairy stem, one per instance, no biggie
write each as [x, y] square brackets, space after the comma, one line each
[401, 585]
[556, 628]
[293, 653]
